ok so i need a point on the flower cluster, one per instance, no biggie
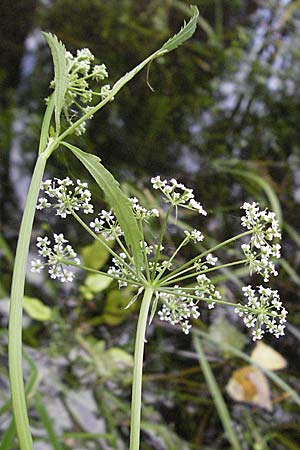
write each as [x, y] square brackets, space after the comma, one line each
[122, 271]
[177, 309]
[194, 236]
[57, 258]
[69, 198]
[263, 312]
[107, 226]
[177, 194]
[206, 291]
[263, 245]
[78, 94]
[142, 213]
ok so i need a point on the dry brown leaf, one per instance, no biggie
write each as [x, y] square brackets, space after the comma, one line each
[249, 385]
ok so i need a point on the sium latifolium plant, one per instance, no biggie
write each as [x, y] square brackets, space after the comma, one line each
[73, 102]
[163, 286]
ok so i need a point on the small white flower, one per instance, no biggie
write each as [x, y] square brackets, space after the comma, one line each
[37, 266]
[196, 206]
[210, 259]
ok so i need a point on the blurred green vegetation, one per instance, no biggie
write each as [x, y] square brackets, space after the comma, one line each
[223, 118]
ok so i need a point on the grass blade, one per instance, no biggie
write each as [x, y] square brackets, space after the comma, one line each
[216, 395]
[258, 180]
[47, 422]
[8, 437]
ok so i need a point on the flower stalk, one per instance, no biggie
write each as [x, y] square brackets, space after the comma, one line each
[138, 370]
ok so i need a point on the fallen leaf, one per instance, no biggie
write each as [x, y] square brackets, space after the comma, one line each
[250, 385]
[267, 357]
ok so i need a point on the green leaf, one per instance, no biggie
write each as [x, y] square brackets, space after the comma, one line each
[58, 51]
[97, 282]
[95, 255]
[114, 311]
[184, 34]
[116, 199]
[221, 330]
[36, 309]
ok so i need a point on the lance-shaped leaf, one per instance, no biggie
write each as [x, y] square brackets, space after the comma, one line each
[58, 51]
[185, 33]
[116, 199]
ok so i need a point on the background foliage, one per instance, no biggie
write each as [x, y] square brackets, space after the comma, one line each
[223, 118]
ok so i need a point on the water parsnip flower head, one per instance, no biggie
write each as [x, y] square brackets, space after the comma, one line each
[79, 95]
[69, 197]
[57, 258]
[177, 194]
[107, 226]
[263, 312]
[142, 213]
[263, 243]
[177, 309]
[179, 304]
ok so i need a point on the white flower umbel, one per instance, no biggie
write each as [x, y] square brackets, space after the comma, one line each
[177, 194]
[68, 196]
[263, 243]
[79, 94]
[142, 213]
[178, 309]
[206, 291]
[160, 272]
[107, 226]
[122, 271]
[56, 258]
[263, 312]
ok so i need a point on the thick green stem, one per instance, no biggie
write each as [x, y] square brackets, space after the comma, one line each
[16, 308]
[138, 371]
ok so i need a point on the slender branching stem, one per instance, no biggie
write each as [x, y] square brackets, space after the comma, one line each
[205, 253]
[208, 300]
[138, 370]
[101, 240]
[99, 272]
[182, 244]
[180, 277]
[16, 309]
[161, 236]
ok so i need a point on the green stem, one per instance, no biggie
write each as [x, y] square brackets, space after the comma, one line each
[138, 370]
[183, 243]
[114, 90]
[206, 252]
[101, 240]
[15, 313]
[161, 236]
[200, 272]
